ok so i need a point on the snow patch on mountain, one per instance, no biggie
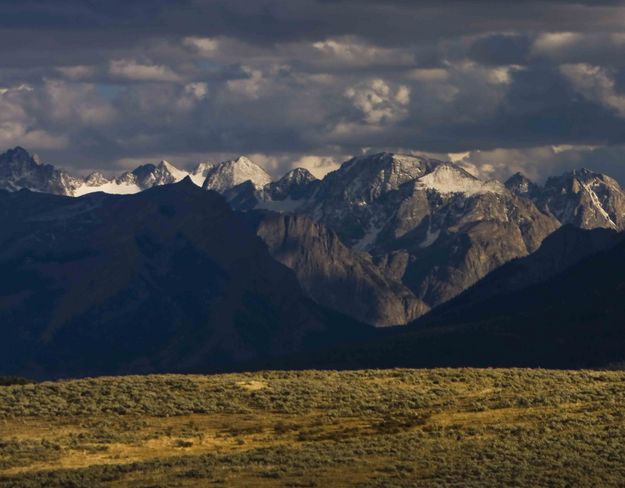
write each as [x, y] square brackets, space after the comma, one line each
[113, 187]
[198, 175]
[430, 238]
[446, 179]
[224, 176]
[141, 178]
[597, 203]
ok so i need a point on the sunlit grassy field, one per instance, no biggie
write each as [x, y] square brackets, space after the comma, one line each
[444, 427]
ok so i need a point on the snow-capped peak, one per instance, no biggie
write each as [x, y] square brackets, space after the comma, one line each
[141, 178]
[165, 167]
[570, 181]
[228, 174]
[388, 169]
[96, 179]
[198, 174]
[163, 173]
[364, 179]
[584, 198]
[447, 178]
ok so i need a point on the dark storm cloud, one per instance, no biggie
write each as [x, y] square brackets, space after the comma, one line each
[501, 49]
[96, 84]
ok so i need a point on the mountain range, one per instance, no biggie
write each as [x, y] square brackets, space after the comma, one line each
[387, 239]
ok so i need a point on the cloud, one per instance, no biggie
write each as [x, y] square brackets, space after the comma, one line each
[596, 84]
[205, 46]
[541, 162]
[501, 49]
[199, 90]
[78, 72]
[132, 70]
[15, 133]
[378, 102]
[310, 82]
[249, 87]
[353, 52]
[319, 165]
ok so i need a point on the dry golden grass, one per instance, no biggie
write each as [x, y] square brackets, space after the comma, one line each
[370, 428]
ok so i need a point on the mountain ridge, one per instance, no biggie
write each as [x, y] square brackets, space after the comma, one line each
[427, 224]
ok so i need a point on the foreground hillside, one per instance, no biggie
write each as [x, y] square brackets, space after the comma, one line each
[425, 428]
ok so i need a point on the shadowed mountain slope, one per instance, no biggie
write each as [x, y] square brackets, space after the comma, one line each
[170, 279]
[575, 319]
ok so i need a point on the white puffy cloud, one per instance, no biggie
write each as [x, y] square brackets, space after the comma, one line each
[205, 46]
[71, 102]
[15, 133]
[319, 165]
[555, 43]
[198, 89]
[354, 52]
[595, 84]
[540, 162]
[379, 102]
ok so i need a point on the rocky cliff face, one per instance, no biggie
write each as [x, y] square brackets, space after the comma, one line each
[427, 222]
[561, 250]
[582, 198]
[334, 275]
[19, 169]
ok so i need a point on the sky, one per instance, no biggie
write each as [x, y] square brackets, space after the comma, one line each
[499, 86]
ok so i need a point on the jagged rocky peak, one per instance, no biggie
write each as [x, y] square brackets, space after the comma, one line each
[198, 174]
[586, 199]
[96, 179]
[364, 179]
[521, 185]
[202, 168]
[18, 155]
[17, 158]
[169, 173]
[163, 173]
[20, 169]
[448, 178]
[573, 181]
[141, 178]
[127, 178]
[388, 171]
[298, 176]
[228, 174]
[295, 185]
